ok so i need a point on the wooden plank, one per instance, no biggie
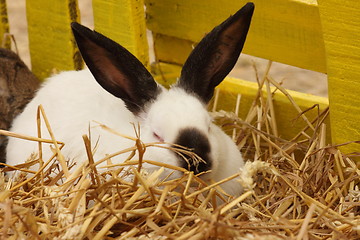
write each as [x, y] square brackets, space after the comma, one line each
[288, 120]
[341, 26]
[4, 24]
[124, 22]
[171, 49]
[286, 31]
[51, 42]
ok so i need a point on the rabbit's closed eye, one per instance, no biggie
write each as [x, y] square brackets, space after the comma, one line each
[158, 137]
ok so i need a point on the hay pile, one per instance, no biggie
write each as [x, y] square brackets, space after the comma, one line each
[298, 189]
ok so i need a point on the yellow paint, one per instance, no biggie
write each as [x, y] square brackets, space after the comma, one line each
[4, 23]
[284, 110]
[341, 28]
[286, 31]
[124, 22]
[171, 49]
[51, 43]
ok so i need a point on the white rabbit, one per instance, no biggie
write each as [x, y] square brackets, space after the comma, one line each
[125, 92]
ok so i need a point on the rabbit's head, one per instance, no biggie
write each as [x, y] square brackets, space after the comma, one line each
[177, 115]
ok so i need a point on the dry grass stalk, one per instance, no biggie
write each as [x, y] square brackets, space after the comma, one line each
[298, 189]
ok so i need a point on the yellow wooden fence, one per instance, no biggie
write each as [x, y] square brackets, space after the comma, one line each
[321, 35]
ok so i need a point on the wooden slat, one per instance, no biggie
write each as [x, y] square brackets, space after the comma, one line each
[286, 31]
[124, 22]
[51, 43]
[288, 120]
[4, 24]
[171, 49]
[341, 27]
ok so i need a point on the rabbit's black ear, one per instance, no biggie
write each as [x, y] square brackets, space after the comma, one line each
[116, 69]
[216, 54]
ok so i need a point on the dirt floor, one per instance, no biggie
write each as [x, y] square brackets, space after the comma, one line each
[293, 78]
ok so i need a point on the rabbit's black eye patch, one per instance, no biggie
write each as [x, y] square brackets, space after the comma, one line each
[195, 141]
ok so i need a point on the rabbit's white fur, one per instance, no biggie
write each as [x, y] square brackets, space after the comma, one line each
[81, 101]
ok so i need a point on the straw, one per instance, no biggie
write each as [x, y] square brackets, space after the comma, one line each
[287, 195]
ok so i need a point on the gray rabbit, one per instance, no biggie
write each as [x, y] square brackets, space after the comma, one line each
[17, 87]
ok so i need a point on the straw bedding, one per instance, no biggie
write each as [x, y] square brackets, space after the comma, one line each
[298, 189]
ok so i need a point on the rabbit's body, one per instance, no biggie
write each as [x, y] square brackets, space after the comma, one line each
[118, 91]
[174, 109]
[67, 93]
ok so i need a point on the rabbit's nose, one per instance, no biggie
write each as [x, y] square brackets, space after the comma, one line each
[198, 158]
